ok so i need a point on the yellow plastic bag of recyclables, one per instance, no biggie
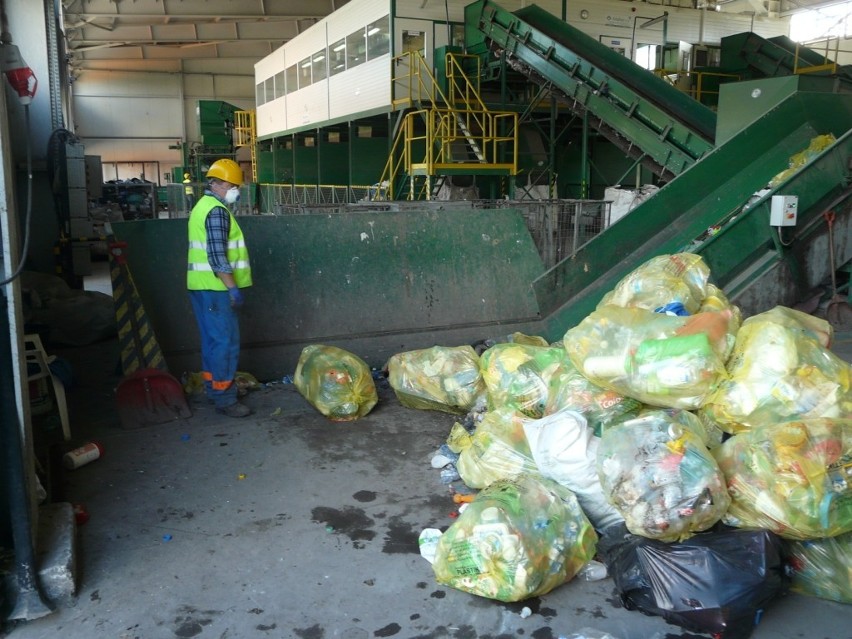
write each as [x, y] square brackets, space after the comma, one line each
[498, 448]
[658, 359]
[438, 378]
[665, 280]
[519, 538]
[336, 382]
[519, 375]
[793, 478]
[822, 567]
[781, 370]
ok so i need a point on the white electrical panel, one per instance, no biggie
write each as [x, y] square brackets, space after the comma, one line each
[784, 210]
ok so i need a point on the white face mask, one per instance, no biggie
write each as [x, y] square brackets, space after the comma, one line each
[232, 196]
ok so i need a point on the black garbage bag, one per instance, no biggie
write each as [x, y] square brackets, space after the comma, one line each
[716, 582]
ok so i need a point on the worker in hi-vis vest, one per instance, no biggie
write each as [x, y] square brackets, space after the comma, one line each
[188, 192]
[217, 271]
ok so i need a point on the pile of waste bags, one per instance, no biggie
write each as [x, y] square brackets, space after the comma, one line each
[703, 450]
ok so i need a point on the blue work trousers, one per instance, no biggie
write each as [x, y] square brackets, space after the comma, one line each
[220, 344]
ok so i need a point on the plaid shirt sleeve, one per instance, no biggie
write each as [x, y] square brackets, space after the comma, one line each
[218, 226]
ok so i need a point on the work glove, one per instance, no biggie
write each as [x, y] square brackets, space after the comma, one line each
[236, 297]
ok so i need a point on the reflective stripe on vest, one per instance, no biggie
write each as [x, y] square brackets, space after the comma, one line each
[199, 275]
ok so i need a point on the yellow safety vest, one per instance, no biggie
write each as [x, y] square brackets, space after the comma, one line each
[199, 274]
[188, 190]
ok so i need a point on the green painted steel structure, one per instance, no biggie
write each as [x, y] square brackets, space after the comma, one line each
[636, 110]
[713, 193]
[376, 282]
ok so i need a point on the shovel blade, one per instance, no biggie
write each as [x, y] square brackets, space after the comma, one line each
[150, 396]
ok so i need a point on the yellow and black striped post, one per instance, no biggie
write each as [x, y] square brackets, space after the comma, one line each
[136, 339]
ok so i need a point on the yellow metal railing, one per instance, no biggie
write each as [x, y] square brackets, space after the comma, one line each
[827, 64]
[246, 135]
[695, 85]
[449, 132]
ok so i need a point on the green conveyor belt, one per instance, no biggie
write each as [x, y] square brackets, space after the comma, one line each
[712, 193]
[639, 112]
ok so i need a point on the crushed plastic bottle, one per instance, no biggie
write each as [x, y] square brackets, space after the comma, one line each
[449, 474]
[593, 571]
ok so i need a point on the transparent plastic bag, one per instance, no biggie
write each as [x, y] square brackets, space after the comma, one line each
[497, 449]
[518, 375]
[336, 382]
[822, 567]
[664, 279]
[792, 478]
[601, 407]
[519, 538]
[661, 360]
[817, 145]
[780, 370]
[438, 378]
[658, 473]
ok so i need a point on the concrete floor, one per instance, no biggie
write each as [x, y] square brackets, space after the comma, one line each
[285, 525]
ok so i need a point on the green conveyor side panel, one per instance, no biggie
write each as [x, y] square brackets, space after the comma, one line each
[635, 109]
[771, 57]
[709, 194]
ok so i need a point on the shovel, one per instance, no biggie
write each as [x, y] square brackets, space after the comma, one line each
[838, 313]
[148, 394]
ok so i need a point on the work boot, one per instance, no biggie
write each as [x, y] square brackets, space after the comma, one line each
[235, 410]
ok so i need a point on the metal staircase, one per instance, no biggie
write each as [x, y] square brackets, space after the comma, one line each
[443, 132]
[246, 135]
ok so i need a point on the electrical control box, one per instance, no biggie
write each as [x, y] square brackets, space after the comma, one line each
[784, 210]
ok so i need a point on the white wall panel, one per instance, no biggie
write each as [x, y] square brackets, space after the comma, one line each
[269, 66]
[271, 117]
[367, 89]
[307, 106]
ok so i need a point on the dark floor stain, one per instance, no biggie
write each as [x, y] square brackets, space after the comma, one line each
[414, 617]
[440, 632]
[256, 611]
[95, 596]
[465, 632]
[615, 602]
[388, 631]
[370, 582]
[265, 628]
[549, 612]
[422, 585]
[364, 496]
[543, 633]
[352, 522]
[400, 538]
[597, 613]
[314, 632]
[438, 594]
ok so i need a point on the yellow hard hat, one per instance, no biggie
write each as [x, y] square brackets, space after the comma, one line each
[186, 175]
[226, 170]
